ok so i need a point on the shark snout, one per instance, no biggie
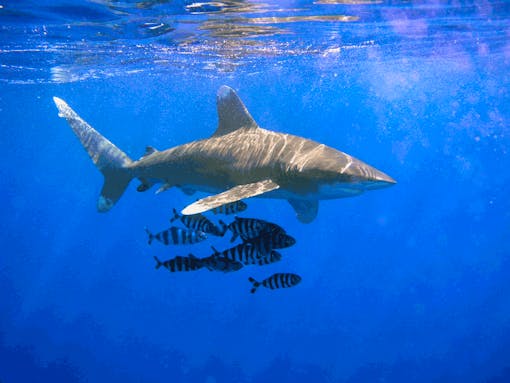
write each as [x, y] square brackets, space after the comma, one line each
[378, 180]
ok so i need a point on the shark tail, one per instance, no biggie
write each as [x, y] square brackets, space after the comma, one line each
[255, 284]
[109, 159]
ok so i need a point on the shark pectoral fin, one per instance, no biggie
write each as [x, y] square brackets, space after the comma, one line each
[235, 194]
[306, 210]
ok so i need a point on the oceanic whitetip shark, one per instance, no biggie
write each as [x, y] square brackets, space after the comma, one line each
[240, 160]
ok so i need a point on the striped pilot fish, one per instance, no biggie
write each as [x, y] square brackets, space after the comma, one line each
[199, 222]
[272, 257]
[248, 228]
[247, 254]
[230, 208]
[177, 236]
[216, 262]
[266, 242]
[179, 263]
[276, 281]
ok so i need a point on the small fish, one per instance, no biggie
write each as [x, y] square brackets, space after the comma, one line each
[198, 222]
[218, 263]
[247, 254]
[276, 281]
[248, 228]
[177, 236]
[244, 253]
[272, 257]
[266, 242]
[180, 263]
[230, 208]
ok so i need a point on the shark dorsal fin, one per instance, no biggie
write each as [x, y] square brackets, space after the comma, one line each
[232, 114]
[149, 150]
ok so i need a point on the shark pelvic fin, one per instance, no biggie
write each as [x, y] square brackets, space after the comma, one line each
[306, 210]
[144, 185]
[232, 114]
[235, 194]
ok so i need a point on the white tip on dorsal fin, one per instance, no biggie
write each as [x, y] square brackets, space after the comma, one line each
[232, 114]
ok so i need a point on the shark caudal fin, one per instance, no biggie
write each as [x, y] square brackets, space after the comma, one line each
[109, 159]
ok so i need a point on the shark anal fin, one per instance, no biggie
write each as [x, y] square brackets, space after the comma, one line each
[235, 194]
[232, 114]
[306, 210]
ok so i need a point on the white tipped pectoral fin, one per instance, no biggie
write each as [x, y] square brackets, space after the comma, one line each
[306, 210]
[235, 194]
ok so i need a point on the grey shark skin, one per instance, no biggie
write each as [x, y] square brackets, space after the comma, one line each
[240, 160]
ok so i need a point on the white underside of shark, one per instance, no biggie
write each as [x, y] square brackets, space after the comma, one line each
[239, 161]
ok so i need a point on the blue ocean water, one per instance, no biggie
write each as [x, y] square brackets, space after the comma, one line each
[405, 284]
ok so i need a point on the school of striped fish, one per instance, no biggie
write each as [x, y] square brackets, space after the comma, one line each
[259, 240]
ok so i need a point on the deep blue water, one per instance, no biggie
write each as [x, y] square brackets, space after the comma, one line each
[405, 284]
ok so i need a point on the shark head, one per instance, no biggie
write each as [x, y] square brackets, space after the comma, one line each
[336, 174]
[356, 180]
[366, 177]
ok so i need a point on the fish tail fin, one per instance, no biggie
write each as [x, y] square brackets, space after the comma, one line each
[255, 284]
[151, 236]
[110, 160]
[175, 217]
[158, 262]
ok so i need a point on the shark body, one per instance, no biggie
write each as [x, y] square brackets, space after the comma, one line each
[240, 160]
